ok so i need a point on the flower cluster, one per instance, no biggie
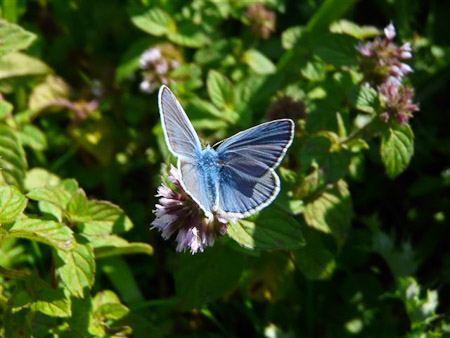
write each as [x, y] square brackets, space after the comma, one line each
[381, 59]
[381, 63]
[286, 107]
[156, 64]
[261, 20]
[178, 213]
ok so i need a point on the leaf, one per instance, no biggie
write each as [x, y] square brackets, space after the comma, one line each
[48, 232]
[273, 229]
[55, 195]
[364, 99]
[14, 37]
[112, 245]
[40, 177]
[53, 91]
[202, 278]
[220, 90]
[337, 49]
[350, 28]
[188, 34]
[258, 62]
[33, 137]
[77, 208]
[154, 21]
[291, 37]
[396, 149]
[314, 260]
[12, 158]
[329, 11]
[314, 70]
[6, 109]
[331, 211]
[76, 268]
[12, 203]
[206, 108]
[39, 296]
[105, 218]
[18, 64]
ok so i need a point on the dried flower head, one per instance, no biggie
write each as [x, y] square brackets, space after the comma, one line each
[261, 20]
[381, 59]
[286, 107]
[178, 214]
[156, 64]
[398, 102]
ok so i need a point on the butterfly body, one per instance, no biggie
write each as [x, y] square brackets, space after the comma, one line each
[235, 179]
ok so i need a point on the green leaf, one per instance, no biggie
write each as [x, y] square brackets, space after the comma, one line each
[258, 62]
[14, 38]
[39, 296]
[53, 91]
[189, 35]
[106, 246]
[273, 229]
[396, 149]
[336, 49]
[40, 177]
[55, 195]
[33, 137]
[291, 37]
[206, 108]
[314, 260]
[205, 277]
[331, 211]
[105, 218]
[329, 11]
[6, 109]
[314, 70]
[12, 158]
[18, 64]
[220, 90]
[154, 21]
[77, 207]
[351, 28]
[12, 203]
[364, 99]
[48, 232]
[76, 268]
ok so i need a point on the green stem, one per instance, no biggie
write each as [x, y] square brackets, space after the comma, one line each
[356, 133]
[12, 273]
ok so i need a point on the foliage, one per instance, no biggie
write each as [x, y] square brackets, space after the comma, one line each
[355, 244]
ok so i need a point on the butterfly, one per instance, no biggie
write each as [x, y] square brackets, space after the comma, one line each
[234, 178]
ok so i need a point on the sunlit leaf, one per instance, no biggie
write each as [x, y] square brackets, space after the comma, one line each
[291, 36]
[50, 92]
[33, 137]
[258, 62]
[55, 195]
[350, 28]
[12, 158]
[188, 34]
[40, 177]
[220, 89]
[77, 208]
[6, 109]
[12, 203]
[397, 148]
[13, 37]
[364, 99]
[314, 70]
[112, 245]
[18, 64]
[154, 21]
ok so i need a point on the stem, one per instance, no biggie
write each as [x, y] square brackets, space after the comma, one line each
[12, 273]
[356, 133]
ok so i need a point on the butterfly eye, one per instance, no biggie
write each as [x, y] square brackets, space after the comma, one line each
[220, 163]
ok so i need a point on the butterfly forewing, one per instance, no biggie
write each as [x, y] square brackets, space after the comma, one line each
[181, 138]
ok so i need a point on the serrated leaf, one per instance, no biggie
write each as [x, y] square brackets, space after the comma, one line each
[154, 21]
[220, 90]
[77, 207]
[50, 92]
[12, 158]
[12, 203]
[14, 37]
[76, 268]
[258, 62]
[331, 211]
[33, 137]
[291, 36]
[55, 195]
[273, 229]
[18, 64]
[364, 99]
[48, 232]
[205, 277]
[40, 177]
[106, 246]
[105, 218]
[6, 109]
[396, 149]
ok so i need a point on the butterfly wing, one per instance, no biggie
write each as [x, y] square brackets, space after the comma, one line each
[181, 138]
[248, 181]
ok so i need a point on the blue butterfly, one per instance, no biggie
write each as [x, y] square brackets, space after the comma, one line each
[234, 178]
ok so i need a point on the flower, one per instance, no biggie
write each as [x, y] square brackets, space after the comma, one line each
[398, 102]
[261, 20]
[156, 64]
[284, 107]
[178, 213]
[381, 59]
